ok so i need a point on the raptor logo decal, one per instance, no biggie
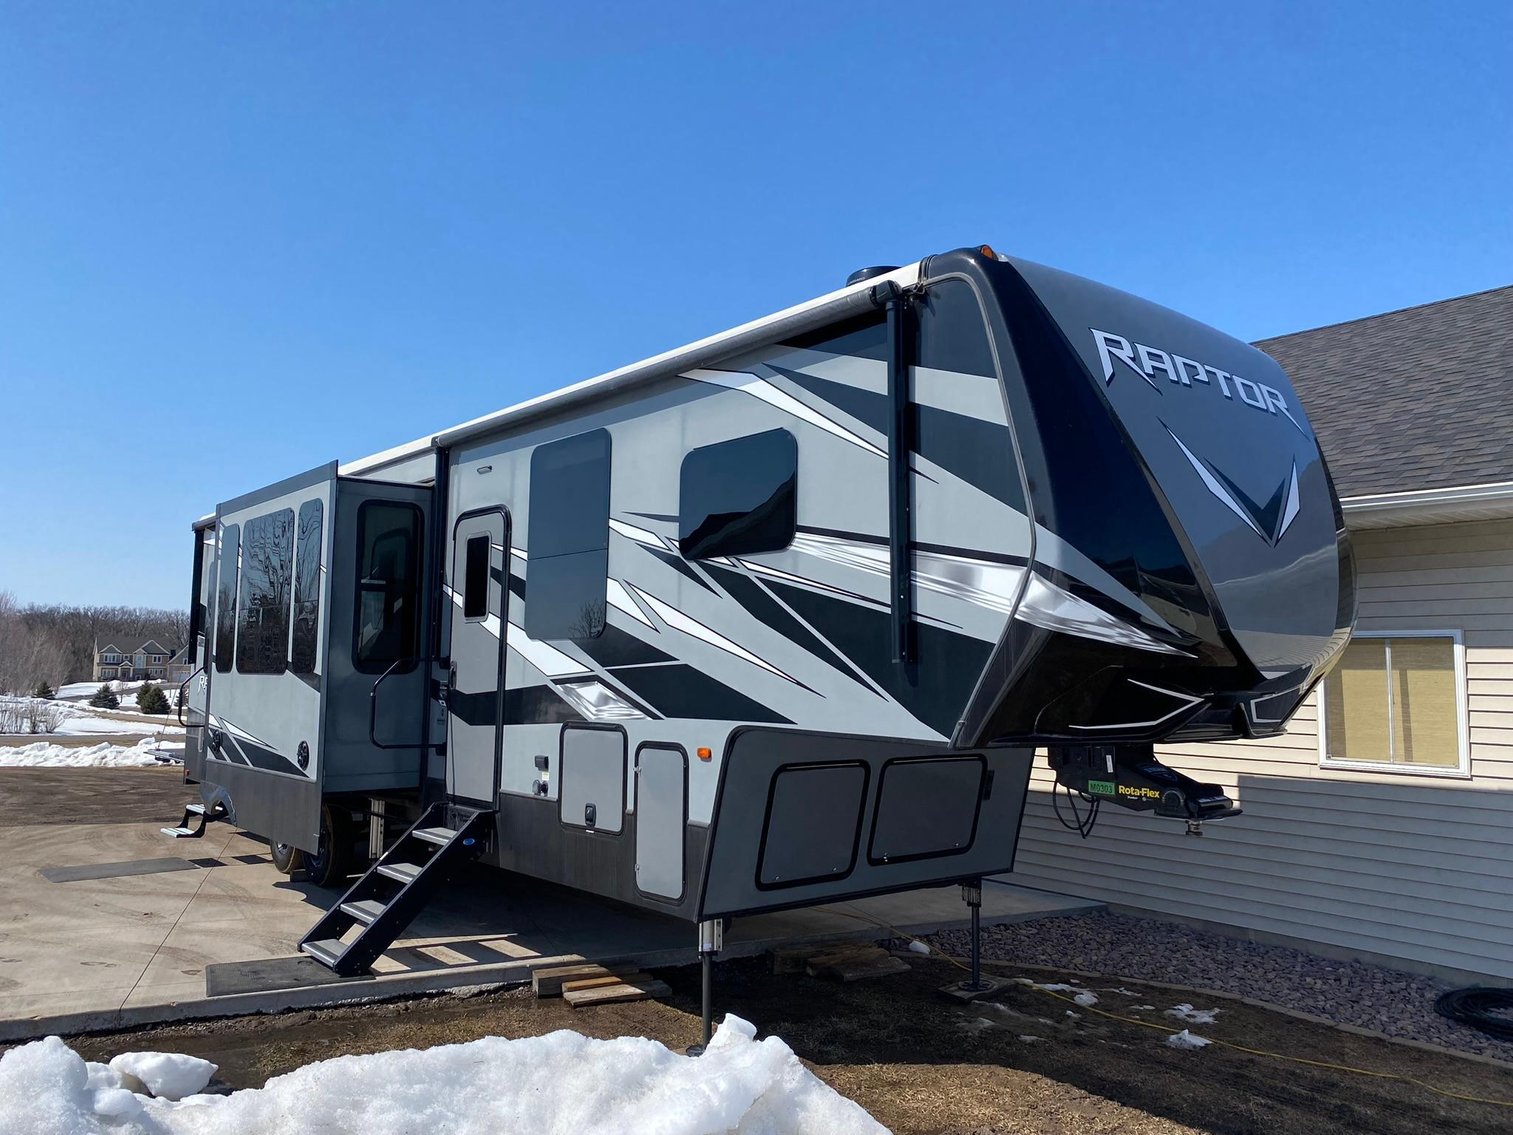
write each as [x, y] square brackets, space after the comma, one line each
[1269, 521]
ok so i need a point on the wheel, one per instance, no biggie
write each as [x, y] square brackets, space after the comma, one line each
[331, 862]
[288, 858]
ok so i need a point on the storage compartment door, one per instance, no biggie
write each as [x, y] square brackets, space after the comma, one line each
[661, 818]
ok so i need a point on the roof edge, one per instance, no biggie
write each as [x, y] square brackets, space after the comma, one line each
[1492, 500]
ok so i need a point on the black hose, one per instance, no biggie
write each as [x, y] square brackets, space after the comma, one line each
[1481, 1007]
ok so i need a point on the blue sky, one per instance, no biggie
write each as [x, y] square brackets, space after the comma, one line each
[238, 240]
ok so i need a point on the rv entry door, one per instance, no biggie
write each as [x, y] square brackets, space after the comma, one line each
[480, 552]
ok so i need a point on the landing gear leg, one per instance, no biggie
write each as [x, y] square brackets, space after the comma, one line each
[711, 941]
[975, 986]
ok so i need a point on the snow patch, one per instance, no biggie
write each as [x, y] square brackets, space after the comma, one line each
[1086, 1000]
[1185, 1039]
[918, 947]
[44, 754]
[1029, 1039]
[559, 1084]
[1185, 1012]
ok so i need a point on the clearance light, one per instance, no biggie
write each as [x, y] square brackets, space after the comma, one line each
[987, 250]
[704, 754]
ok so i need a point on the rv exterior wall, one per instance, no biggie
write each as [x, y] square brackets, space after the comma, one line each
[1411, 869]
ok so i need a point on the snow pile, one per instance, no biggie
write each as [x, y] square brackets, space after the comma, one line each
[167, 1075]
[1185, 1012]
[44, 754]
[560, 1084]
[1185, 1039]
[1086, 1000]
[70, 720]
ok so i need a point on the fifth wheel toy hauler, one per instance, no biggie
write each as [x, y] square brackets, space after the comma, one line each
[777, 618]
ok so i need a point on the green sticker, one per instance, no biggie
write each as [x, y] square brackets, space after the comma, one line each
[1102, 787]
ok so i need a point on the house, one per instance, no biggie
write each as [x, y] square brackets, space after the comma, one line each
[1380, 825]
[134, 658]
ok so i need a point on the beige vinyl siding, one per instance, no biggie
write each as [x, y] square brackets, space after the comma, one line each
[1396, 865]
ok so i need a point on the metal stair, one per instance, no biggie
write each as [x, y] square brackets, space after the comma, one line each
[206, 814]
[396, 888]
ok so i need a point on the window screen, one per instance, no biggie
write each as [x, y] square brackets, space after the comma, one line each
[568, 566]
[262, 640]
[739, 496]
[387, 625]
[475, 583]
[1392, 700]
[305, 645]
[225, 597]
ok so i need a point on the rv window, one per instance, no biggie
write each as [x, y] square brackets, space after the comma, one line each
[387, 622]
[305, 644]
[568, 566]
[739, 496]
[225, 597]
[262, 639]
[475, 583]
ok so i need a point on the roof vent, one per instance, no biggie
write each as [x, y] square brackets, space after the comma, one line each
[869, 273]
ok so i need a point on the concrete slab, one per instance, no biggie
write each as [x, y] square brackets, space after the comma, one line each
[102, 953]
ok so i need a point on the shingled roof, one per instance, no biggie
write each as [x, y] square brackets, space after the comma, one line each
[1420, 398]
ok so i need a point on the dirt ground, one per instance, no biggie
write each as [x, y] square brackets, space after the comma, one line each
[921, 1064]
[93, 796]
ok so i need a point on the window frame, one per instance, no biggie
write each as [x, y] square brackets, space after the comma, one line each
[703, 452]
[402, 665]
[1459, 771]
[539, 566]
[247, 663]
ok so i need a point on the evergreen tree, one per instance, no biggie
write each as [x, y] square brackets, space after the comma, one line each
[152, 699]
[43, 690]
[105, 698]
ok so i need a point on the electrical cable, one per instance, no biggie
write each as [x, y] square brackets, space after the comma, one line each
[1481, 1007]
[1082, 827]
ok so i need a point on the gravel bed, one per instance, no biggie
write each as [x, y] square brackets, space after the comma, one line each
[1351, 993]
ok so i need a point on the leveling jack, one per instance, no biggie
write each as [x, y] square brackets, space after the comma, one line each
[976, 986]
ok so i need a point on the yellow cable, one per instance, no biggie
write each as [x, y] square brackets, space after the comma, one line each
[961, 964]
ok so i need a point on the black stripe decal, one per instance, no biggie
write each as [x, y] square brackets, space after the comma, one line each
[615, 647]
[934, 690]
[763, 607]
[677, 562]
[980, 453]
[682, 691]
[537, 705]
[480, 709]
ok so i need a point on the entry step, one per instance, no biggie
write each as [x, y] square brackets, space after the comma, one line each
[402, 872]
[436, 835]
[327, 952]
[364, 910]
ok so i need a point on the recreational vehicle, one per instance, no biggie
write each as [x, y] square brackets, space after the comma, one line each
[779, 617]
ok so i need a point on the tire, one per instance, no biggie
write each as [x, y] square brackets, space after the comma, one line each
[331, 862]
[288, 858]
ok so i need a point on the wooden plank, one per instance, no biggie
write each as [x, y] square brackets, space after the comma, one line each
[790, 959]
[547, 982]
[601, 982]
[620, 991]
[863, 968]
[843, 955]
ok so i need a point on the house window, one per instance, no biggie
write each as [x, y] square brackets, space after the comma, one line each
[739, 497]
[567, 572]
[1396, 702]
[225, 597]
[387, 628]
[262, 641]
[107, 673]
[111, 659]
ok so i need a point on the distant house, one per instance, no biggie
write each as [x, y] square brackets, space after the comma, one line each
[1381, 824]
[132, 658]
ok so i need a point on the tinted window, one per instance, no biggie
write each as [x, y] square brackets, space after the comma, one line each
[262, 639]
[225, 597]
[475, 585]
[305, 645]
[739, 496]
[568, 566]
[387, 625]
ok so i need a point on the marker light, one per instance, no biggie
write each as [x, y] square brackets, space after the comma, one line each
[704, 753]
